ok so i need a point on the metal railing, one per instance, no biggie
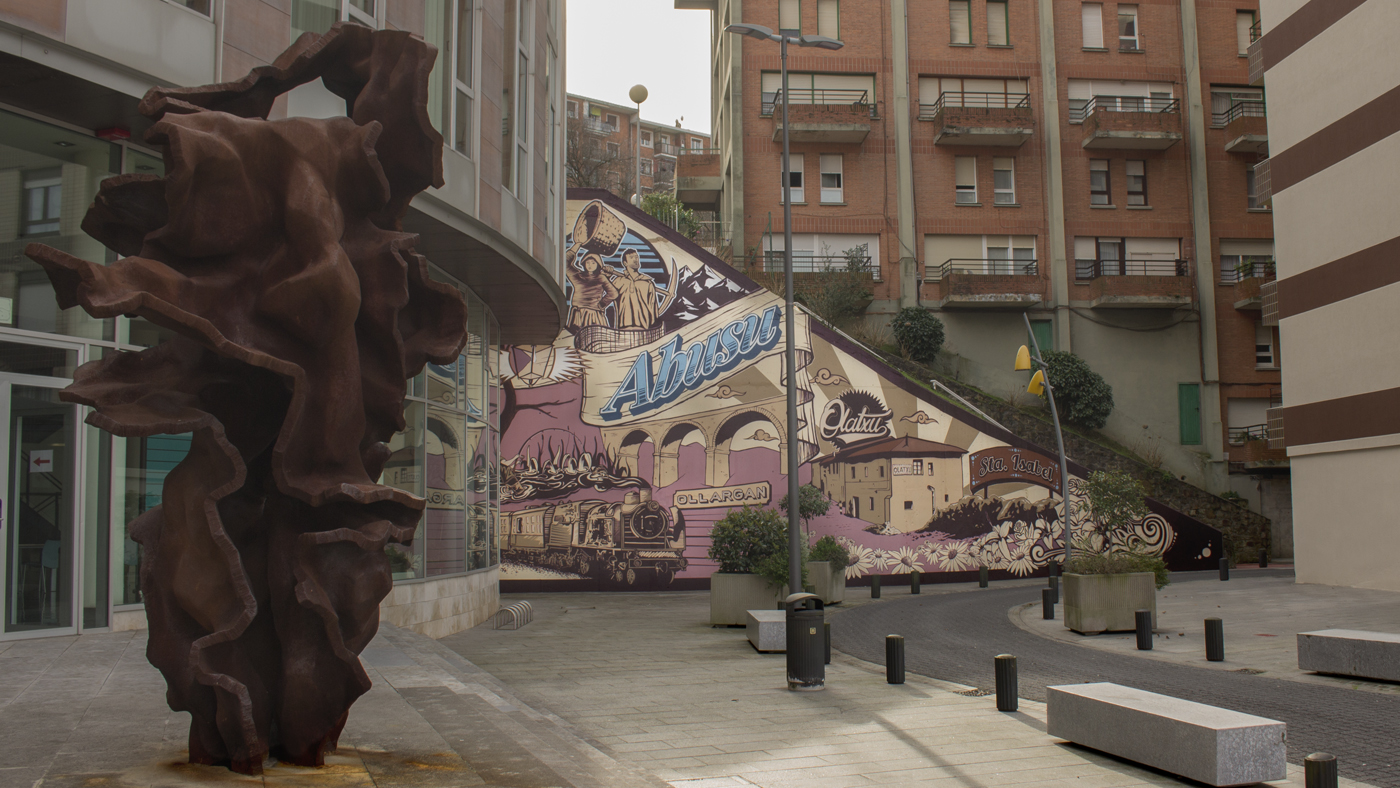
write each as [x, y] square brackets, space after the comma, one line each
[988, 267]
[854, 97]
[975, 101]
[1123, 104]
[665, 149]
[1250, 267]
[1240, 109]
[1093, 269]
[1255, 432]
[807, 263]
[696, 151]
[1255, 31]
[598, 126]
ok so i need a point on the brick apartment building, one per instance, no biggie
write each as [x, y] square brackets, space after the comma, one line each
[1089, 164]
[601, 139]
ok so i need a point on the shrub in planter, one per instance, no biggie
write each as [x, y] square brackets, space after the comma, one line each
[828, 554]
[1105, 586]
[750, 546]
[828, 549]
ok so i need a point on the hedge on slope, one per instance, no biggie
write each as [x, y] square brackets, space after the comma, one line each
[1082, 396]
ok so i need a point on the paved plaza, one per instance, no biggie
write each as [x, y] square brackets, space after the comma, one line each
[602, 690]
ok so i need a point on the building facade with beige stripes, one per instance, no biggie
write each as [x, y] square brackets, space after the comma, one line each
[1334, 127]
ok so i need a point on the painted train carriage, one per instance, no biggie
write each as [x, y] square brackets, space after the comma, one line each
[607, 541]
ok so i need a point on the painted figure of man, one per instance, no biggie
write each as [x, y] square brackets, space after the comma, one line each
[593, 291]
[636, 299]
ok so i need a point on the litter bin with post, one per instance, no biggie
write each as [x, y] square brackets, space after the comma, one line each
[806, 642]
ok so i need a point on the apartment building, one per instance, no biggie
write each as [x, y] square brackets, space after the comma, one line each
[603, 148]
[1334, 148]
[74, 72]
[1087, 164]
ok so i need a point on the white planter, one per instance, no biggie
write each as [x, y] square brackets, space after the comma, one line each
[733, 595]
[1108, 603]
[829, 581]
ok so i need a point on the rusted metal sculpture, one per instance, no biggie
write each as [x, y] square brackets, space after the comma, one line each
[273, 250]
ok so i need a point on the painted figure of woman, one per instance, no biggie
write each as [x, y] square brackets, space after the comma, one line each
[636, 299]
[592, 293]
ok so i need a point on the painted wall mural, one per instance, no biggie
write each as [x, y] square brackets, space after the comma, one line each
[662, 406]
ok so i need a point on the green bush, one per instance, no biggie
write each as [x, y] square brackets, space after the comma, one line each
[839, 296]
[741, 541]
[828, 549]
[774, 568]
[665, 206]
[1115, 500]
[919, 333]
[1087, 562]
[811, 502]
[1082, 396]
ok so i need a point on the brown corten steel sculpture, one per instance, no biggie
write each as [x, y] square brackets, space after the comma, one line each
[273, 250]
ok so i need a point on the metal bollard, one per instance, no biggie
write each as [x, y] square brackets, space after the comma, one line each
[1263, 558]
[914, 582]
[1224, 569]
[1006, 683]
[827, 633]
[1143, 619]
[1047, 604]
[1215, 640]
[894, 659]
[1054, 568]
[982, 577]
[1320, 770]
[874, 586]
[1055, 587]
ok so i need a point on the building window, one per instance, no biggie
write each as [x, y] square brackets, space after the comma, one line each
[1188, 402]
[1098, 182]
[1092, 19]
[43, 201]
[1004, 181]
[790, 15]
[614, 150]
[665, 140]
[965, 172]
[1137, 182]
[1244, 30]
[646, 138]
[998, 25]
[697, 145]
[204, 7]
[515, 156]
[1128, 28]
[1009, 255]
[794, 177]
[829, 18]
[611, 120]
[463, 76]
[1264, 347]
[908, 505]
[831, 178]
[916, 467]
[573, 109]
[960, 21]
[646, 166]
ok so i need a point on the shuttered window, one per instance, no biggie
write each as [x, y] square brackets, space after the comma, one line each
[1244, 20]
[1093, 25]
[998, 33]
[829, 18]
[965, 172]
[960, 21]
[790, 15]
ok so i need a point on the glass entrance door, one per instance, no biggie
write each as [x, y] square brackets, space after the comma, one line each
[39, 435]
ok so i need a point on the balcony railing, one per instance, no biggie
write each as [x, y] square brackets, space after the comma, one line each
[1255, 31]
[665, 149]
[854, 97]
[975, 267]
[1255, 432]
[696, 151]
[598, 126]
[1251, 267]
[807, 263]
[1085, 270]
[1123, 104]
[1240, 109]
[975, 100]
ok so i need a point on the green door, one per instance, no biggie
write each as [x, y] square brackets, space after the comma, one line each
[1188, 396]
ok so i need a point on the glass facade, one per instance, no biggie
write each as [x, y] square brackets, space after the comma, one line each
[71, 491]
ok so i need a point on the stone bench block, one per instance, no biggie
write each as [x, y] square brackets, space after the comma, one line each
[767, 629]
[1215, 746]
[1350, 652]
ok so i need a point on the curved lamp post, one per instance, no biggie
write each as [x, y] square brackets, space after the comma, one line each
[794, 520]
[638, 94]
[1040, 383]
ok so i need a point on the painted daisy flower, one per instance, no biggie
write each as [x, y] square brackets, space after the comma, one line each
[1021, 563]
[956, 556]
[905, 560]
[862, 560]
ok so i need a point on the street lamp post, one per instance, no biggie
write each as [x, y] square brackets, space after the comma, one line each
[638, 94]
[793, 458]
[1041, 382]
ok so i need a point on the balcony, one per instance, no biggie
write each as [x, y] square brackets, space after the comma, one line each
[1256, 56]
[597, 126]
[698, 180]
[809, 263]
[1135, 284]
[1268, 304]
[1263, 183]
[666, 149]
[830, 115]
[989, 284]
[1129, 122]
[1248, 279]
[993, 119]
[1253, 446]
[1246, 127]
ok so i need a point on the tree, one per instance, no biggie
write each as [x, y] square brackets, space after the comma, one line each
[811, 502]
[840, 294]
[1115, 500]
[588, 162]
[665, 206]
[1082, 396]
[919, 333]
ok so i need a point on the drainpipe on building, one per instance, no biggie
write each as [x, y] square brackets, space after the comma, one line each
[1054, 178]
[904, 156]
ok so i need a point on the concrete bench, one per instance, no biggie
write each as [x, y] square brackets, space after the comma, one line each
[767, 629]
[1350, 652]
[1211, 745]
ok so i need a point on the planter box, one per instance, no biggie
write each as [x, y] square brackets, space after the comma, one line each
[830, 582]
[732, 596]
[1107, 603]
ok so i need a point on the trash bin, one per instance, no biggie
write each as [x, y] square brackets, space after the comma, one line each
[806, 642]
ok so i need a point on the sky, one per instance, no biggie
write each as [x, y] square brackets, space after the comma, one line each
[615, 44]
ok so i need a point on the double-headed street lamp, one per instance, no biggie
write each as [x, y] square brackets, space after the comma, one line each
[793, 458]
[1041, 383]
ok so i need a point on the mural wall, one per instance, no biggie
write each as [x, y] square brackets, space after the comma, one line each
[662, 406]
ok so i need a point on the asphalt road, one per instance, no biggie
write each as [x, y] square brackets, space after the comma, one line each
[954, 636]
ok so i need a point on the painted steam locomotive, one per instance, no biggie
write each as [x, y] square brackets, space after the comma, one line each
[607, 541]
